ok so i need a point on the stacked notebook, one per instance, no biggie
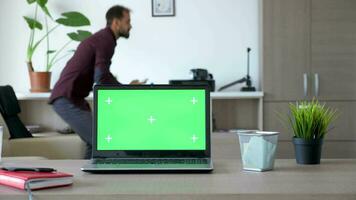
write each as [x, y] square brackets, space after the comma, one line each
[35, 180]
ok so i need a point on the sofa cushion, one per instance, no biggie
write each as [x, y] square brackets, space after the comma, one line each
[51, 145]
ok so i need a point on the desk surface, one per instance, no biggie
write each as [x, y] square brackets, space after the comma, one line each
[333, 179]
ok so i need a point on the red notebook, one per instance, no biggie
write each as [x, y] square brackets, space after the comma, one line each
[36, 180]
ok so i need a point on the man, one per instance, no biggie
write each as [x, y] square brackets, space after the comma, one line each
[90, 64]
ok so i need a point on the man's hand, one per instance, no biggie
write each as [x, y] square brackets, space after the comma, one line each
[137, 82]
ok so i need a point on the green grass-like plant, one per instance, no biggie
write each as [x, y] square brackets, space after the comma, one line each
[310, 120]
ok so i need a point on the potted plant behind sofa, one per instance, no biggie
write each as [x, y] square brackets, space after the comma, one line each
[310, 123]
[40, 80]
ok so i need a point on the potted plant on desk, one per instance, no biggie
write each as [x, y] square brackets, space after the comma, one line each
[40, 80]
[310, 123]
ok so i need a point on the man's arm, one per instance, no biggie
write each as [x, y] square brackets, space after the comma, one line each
[102, 76]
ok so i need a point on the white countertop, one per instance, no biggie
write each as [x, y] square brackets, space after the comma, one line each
[214, 95]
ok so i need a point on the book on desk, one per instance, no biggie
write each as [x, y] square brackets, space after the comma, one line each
[35, 180]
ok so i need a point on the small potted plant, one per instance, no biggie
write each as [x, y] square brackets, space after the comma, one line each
[310, 123]
[40, 80]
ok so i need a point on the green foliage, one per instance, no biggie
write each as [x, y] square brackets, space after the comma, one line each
[31, 1]
[310, 120]
[73, 19]
[79, 36]
[33, 23]
[42, 4]
[51, 51]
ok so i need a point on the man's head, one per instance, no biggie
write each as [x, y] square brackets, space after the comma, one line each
[118, 19]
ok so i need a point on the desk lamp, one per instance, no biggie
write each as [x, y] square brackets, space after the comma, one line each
[247, 78]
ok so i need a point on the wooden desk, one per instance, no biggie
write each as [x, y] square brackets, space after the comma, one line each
[333, 179]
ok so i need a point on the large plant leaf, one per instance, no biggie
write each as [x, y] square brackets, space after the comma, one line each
[45, 10]
[32, 23]
[42, 4]
[73, 19]
[79, 36]
[31, 1]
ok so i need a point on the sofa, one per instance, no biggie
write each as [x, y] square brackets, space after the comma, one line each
[51, 145]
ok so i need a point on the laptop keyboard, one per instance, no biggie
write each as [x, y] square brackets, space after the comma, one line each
[151, 161]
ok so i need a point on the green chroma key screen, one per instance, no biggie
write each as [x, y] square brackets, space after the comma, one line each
[156, 119]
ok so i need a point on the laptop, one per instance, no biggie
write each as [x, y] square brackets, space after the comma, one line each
[160, 128]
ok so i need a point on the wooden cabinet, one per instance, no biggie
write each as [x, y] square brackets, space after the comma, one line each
[273, 112]
[309, 49]
[316, 38]
[333, 47]
[286, 48]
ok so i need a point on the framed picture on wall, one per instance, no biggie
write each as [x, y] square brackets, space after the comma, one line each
[163, 8]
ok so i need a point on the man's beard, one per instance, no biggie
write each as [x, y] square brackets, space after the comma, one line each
[125, 35]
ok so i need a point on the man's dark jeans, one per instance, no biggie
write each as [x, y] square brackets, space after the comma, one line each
[78, 119]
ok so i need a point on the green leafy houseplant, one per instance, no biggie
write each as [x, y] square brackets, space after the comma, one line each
[310, 120]
[69, 19]
[310, 123]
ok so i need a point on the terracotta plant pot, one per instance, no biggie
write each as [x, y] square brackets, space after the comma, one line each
[40, 81]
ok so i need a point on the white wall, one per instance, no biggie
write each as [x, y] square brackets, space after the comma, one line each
[210, 34]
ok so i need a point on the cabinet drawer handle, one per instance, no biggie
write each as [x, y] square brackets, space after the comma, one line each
[305, 83]
[316, 79]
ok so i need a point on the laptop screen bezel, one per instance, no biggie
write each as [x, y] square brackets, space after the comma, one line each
[153, 153]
